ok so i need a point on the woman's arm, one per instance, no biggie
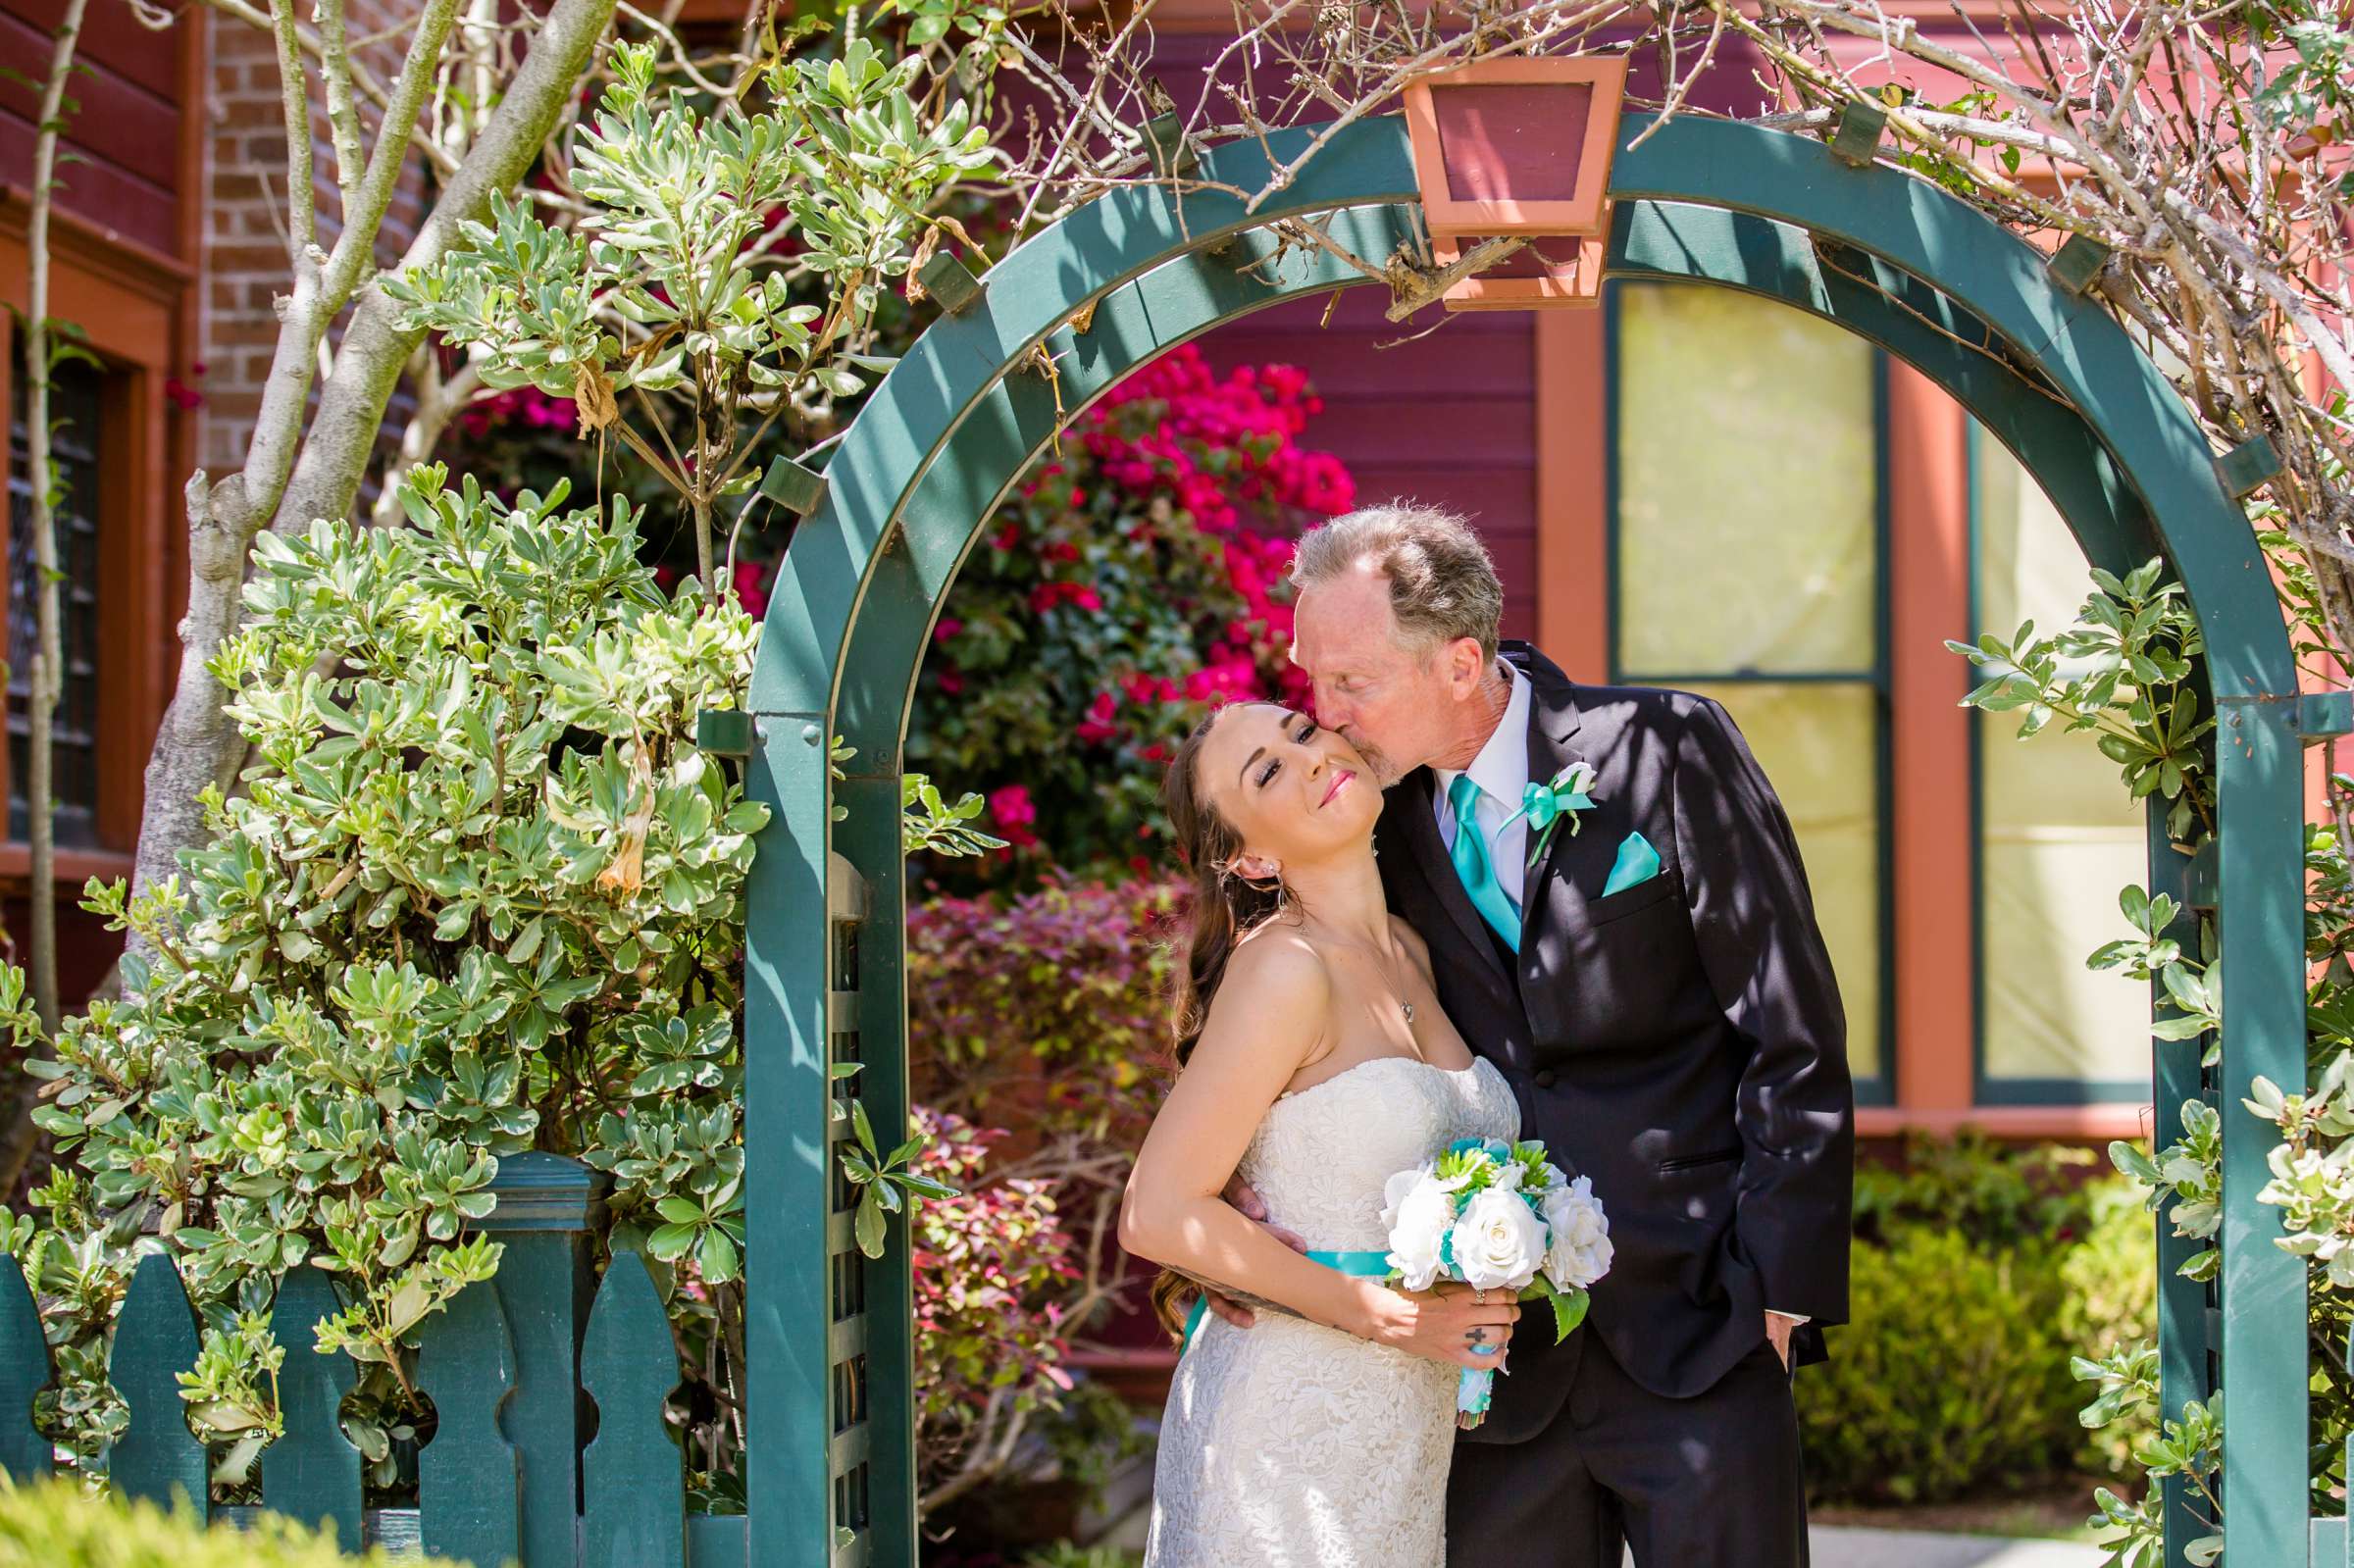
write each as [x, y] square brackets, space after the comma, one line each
[1172, 1212]
[1271, 1013]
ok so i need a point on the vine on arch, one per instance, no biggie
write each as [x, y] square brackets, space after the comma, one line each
[2124, 671]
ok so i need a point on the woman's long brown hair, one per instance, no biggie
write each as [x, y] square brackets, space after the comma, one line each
[1224, 908]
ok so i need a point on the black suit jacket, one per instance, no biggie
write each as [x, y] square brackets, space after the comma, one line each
[1680, 1041]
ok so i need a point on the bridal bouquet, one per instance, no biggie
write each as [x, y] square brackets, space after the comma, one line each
[1497, 1216]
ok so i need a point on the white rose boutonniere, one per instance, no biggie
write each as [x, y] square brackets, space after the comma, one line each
[1544, 805]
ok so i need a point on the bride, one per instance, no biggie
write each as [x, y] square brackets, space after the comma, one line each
[1316, 1063]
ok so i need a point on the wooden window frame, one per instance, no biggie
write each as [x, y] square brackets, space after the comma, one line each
[130, 302]
[1881, 1086]
[1933, 879]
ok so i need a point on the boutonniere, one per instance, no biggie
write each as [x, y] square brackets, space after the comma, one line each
[1544, 805]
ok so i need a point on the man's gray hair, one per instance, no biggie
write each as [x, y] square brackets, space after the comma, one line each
[1442, 584]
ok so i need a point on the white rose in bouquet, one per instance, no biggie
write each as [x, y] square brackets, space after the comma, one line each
[1578, 1252]
[1498, 1242]
[1417, 1210]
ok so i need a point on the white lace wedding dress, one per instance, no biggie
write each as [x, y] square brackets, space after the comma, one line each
[1289, 1444]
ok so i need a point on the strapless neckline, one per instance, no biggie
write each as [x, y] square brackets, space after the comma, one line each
[1376, 1061]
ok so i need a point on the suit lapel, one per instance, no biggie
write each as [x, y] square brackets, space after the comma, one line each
[1559, 732]
[1553, 721]
[1438, 869]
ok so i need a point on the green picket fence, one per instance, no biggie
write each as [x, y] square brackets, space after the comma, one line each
[551, 1447]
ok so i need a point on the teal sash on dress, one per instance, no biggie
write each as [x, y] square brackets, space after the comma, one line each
[1369, 1265]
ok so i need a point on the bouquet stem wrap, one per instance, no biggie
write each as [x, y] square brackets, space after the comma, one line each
[1472, 1390]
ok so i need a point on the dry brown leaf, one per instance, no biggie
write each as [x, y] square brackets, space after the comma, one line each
[593, 399]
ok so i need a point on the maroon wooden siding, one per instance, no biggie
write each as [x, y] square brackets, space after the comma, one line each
[125, 126]
[1449, 419]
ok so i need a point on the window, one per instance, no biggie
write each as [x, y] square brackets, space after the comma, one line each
[2056, 836]
[1748, 563]
[76, 401]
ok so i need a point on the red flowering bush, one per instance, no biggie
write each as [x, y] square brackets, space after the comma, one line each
[1047, 1013]
[1129, 581]
[993, 1277]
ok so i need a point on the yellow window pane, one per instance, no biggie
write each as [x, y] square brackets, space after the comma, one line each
[1747, 451]
[2058, 834]
[1818, 745]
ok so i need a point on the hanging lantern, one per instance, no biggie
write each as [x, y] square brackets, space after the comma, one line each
[1520, 147]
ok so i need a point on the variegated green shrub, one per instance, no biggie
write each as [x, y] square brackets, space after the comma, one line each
[730, 265]
[478, 893]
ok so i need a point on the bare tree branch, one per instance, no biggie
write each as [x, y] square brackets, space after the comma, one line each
[293, 474]
[17, 1136]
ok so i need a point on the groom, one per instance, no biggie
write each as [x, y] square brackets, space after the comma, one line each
[1651, 984]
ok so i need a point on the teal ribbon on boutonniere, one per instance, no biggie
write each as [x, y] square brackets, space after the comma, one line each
[1546, 805]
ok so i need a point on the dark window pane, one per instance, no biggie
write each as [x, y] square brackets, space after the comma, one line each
[74, 404]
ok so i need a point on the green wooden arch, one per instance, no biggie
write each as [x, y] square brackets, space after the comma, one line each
[954, 426]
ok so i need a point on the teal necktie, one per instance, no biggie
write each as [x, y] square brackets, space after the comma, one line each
[1470, 855]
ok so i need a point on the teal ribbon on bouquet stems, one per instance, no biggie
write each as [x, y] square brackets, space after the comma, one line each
[1474, 1387]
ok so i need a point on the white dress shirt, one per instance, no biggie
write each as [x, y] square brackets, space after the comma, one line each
[1501, 769]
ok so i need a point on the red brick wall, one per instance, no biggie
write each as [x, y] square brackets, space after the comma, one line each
[244, 248]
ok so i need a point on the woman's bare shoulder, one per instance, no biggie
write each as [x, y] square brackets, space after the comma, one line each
[1276, 987]
[1276, 955]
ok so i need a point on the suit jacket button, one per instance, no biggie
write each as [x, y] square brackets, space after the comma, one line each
[1545, 1079]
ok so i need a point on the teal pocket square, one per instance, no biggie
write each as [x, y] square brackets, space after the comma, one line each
[1637, 862]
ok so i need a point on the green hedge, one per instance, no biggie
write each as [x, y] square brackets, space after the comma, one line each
[1978, 1270]
[61, 1524]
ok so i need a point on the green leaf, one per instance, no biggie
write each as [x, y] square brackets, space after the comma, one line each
[716, 1255]
[1568, 1311]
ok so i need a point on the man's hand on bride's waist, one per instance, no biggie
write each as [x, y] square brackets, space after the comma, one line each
[1248, 1203]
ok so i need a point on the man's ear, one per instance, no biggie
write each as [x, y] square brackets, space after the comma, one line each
[1465, 667]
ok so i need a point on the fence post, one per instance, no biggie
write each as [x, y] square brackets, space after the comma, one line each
[469, 1476]
[312, 1473]
[548, 1205]
[633, 1510]
[155, 1340]
[23, 1372]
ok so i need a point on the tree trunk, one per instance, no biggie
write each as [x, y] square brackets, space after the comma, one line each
[197, 744]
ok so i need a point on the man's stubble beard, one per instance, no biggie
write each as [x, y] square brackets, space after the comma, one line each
[1386, 773]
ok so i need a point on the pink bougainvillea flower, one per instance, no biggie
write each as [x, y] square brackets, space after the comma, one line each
[748, 591]
[1097, 725]
[1010, 807]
